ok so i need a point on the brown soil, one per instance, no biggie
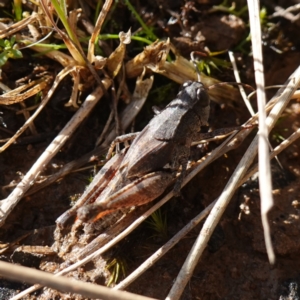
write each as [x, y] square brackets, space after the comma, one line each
[235, 264]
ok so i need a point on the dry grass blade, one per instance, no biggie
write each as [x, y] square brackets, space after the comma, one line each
[67, 285]
[115, 60]
[238, 80]
[11, 201]
[265, 181]
[19, 89]
[217, 211]
[17, 26]
[104, 11]
[71, 40]
[181, 70]
[26, 115]
[153, 57]
[73, 98]
[12, 97]
[164, 249]
[59, 77]
[286, 143]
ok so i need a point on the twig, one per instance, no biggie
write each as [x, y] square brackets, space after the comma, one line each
[238, 80]
[29, 275]
[106, 128]
[244, 95]
[164, 249]
[26, 115]
[112, 113]
[286, 143]
[217, 211]
[11, 201]
[265, 181]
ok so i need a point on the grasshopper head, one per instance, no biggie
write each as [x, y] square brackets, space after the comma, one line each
[194, 94]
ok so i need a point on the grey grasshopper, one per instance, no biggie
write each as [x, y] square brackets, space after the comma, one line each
[156, 154]
[151, 162]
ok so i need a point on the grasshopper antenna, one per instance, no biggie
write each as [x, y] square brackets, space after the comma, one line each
[196, 65]
[231, 83]
[203, 54]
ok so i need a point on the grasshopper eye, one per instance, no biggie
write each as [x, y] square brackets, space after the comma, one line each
[198, 93]
[186, 84]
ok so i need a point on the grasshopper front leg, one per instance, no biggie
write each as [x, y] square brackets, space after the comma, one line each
[141, 191]
[218, 134]
[120, 139]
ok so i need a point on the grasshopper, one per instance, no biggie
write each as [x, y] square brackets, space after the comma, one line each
[143, 174]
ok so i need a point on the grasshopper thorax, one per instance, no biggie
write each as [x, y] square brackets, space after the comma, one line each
[194, 96]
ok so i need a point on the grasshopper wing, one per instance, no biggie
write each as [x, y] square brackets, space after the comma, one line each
[146, 154]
